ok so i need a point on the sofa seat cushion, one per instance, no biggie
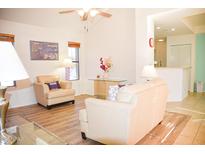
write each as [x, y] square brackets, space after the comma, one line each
[83, 115]
[60, 93]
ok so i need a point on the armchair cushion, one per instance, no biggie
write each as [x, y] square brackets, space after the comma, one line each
[60, 93]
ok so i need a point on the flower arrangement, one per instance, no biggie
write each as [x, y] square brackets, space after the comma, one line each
[105, 64]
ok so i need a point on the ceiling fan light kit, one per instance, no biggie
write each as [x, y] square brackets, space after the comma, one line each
[85, 13]
[93, 13]
[81, 13]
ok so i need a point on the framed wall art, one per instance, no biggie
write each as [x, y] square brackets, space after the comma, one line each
[44, 50]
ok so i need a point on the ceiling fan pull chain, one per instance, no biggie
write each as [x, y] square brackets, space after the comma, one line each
[86, 28]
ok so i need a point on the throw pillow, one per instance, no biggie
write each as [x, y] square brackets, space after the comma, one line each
[53, 85]
[112, 93]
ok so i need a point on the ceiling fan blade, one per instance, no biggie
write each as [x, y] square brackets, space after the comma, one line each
[105, 14]
[68, 11]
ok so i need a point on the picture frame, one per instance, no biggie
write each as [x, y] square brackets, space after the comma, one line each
[44, 50]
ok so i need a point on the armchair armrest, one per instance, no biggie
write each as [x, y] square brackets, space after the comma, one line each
[66, 84]
[40, 89]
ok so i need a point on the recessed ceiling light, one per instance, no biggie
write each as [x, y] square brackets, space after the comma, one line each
[160, 40]
[173, 29]
[158, 27]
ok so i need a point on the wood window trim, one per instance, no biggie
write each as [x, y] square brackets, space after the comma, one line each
[74, 44]
[7, 37]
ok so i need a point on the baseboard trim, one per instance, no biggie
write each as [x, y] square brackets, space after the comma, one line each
[196, 93]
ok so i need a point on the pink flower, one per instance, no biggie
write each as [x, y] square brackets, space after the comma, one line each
[105, 64]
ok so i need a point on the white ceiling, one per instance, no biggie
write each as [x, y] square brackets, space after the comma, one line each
[174, 19]
[49, 17]
[196, 22]
[42, 17]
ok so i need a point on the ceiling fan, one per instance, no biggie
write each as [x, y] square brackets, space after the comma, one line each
[85, 13]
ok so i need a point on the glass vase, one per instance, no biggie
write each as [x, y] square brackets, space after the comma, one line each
[105, 75]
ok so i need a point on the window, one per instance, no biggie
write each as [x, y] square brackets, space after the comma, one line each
[73, 53]
[7, 38]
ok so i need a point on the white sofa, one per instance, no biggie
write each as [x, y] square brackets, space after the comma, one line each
[138, 109]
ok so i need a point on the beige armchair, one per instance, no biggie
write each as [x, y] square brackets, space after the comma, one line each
[48, 97]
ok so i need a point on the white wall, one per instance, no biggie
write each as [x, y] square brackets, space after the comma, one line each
[184, 39]
[24, 33]
[115, 38]
[144, 31]
[179, 56]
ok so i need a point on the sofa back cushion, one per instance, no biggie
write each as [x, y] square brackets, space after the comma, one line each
[127, 93]
[124, 96]
[47, 78]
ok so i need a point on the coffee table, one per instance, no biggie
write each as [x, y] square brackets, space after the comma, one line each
[33, 134]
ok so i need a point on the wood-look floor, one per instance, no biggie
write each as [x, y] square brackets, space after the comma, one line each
[194, 106]
[62, 120]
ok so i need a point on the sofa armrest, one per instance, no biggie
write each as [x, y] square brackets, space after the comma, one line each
[83, 115]
[108, 120]
[66, 84]
[83, 121]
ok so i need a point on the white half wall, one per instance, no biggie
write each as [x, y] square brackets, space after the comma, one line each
[177, 80]
[184, 39]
